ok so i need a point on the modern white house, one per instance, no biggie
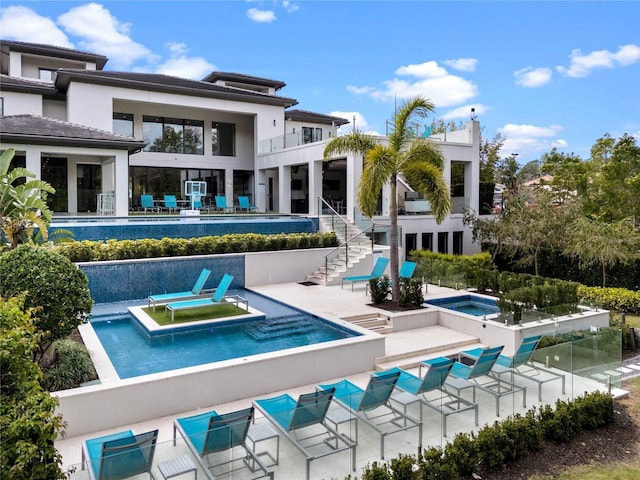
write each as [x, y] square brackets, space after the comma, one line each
[92, 133]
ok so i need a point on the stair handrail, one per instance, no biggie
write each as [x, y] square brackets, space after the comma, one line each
[345, 244]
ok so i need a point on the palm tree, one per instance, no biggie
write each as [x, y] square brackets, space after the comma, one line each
[418, 159]
[22, 206]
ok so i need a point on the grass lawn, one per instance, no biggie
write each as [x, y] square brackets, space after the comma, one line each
[633, 320]
[185, 316]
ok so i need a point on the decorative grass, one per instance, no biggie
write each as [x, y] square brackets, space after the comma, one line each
[194, 315]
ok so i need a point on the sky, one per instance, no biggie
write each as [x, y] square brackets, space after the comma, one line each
[542, 74]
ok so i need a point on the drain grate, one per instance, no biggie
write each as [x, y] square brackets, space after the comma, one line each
[307, 283]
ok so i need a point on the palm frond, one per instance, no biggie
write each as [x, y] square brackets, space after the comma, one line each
[428, 180]
[417, 107]
[379, 165]
[425, 150]
[354, 142]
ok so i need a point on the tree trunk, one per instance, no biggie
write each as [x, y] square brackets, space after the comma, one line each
[604, 275]
[393, 250]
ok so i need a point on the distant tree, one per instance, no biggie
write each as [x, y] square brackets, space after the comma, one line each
[490, 158]
[570, 174]
[28, 421]
[530, 171]
[417, 158]
[50, 283]
[605, 244]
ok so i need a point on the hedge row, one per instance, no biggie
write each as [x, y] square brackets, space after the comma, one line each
[618, 299]
[501, 443]
[90, 251]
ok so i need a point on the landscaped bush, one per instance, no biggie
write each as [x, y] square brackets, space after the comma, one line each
[88, 251]
[71, 366]
[411, 292]
[461, 269]
[379, 288]
[501, 443]
[618, 299]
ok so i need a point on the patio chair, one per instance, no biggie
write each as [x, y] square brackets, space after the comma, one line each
[377, 272]
[210, 434]
[221, 204]
[465, 376]
[146, 201]
[521, 364]
[304, 423]
[119, 455]
[171, 203]
[245, 204]
[219, 297]
[429, 391]
[196, 291]
[406, 271]
[371, 406]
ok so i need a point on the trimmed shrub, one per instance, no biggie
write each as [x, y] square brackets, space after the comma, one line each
[379, 288]
[71, 366]
[411, 292]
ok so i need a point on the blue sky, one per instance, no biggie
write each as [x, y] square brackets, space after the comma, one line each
[544, 74]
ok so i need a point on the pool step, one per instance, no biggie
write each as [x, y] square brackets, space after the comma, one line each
[280, 327]
[372, 321]
[410, 360]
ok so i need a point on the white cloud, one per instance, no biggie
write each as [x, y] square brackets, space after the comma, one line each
[180, 65]
[24, 25]
[261, 16]
[463, 64]
[431, 81]
[530, 139]
[533, 77]
[582, 65]
[290, 7]
[465, 111]
[103, 33]
[355, 118]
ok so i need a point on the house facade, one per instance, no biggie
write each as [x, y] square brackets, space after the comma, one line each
[91, 132]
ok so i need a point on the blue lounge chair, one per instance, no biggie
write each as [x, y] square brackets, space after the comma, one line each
[245, 204]
[309, 412]
[377, 272]
[221, 204]
[211, 433]
[465, 376]
[219, 297]
[171, 203]
[146, 201]
[119, 455]
[429, 390]
[406, 271]
[520, 364]
[196, 291]
[372, 406]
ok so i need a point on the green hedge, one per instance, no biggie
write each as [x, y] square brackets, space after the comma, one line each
[450, 270]
[90, 251]
[501, 443]
[618, 299]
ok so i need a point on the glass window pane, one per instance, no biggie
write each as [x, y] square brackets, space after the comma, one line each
[123, 124]
[173, 131]
[193, 135]
[307, 134]
[223, 139]
[152, 133]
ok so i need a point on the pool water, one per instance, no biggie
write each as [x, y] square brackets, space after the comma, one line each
[469, 304]
[133, 352]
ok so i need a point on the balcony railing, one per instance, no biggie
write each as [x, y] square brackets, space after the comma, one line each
[281, 142]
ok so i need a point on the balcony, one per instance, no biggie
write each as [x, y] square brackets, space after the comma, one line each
[282, 142]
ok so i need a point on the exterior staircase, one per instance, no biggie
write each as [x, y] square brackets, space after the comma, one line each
[373, 321]
[355, 247]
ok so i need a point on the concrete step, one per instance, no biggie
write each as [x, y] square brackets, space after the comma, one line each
[410, 360]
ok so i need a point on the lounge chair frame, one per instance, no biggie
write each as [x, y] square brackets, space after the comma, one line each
[478, 376]
[198, 291]
[116, 451]
[219, 298]
[430, 392]
[308, 412]
[245, 204]
[377, 271]
[222, 433]
[372, 406]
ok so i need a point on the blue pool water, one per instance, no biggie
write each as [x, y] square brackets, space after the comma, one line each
[469, 304]
[133, 352]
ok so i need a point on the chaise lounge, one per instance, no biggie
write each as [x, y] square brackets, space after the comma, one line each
[196, 292]
[219, 298]
[377, 272]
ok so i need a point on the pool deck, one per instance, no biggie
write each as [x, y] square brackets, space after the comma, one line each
[334, 303]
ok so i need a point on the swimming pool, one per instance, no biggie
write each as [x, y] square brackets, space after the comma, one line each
[469, 304]
[133, 351]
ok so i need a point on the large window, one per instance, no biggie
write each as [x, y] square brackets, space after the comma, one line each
[443, 242]
[173, 135]
[223, 139]
[310, 134]
[457, 243]
[427, 241]
[123, 124]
